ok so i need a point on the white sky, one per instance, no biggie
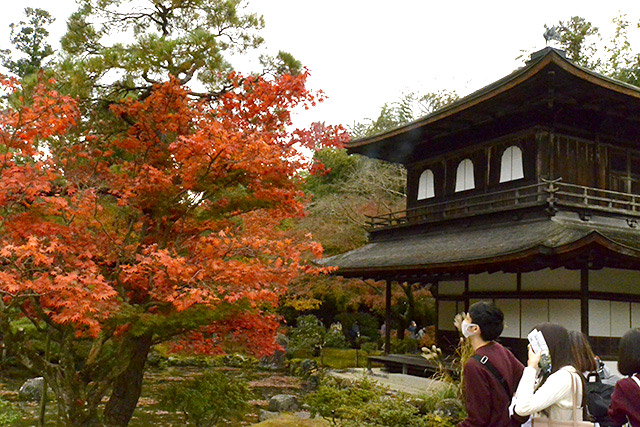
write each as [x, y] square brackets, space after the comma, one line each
[363, 53]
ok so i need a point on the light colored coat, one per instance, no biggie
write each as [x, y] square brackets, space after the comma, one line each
[553, 397]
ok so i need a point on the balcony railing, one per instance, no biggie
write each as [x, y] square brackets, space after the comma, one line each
[550, 193]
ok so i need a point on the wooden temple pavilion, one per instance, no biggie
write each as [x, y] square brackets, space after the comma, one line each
[527, 193]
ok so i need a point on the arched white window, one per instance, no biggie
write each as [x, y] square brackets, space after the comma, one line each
[464, 176]
[425, 185]
[511, 167]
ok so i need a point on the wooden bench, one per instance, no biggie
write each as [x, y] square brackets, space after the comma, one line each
[411, 365]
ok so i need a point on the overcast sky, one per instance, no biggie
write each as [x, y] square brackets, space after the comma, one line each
[363, 53]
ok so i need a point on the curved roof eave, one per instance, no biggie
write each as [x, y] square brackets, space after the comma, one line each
[501, 86]
[575, 242]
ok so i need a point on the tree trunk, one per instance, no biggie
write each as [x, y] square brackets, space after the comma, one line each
[128, 385]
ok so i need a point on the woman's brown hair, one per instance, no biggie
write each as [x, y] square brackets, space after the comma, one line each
[629, 353]
[585, 360]
[557, 338]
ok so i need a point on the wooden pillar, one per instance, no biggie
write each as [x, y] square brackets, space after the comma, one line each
[387, 318]
[584, 301]
[434, 293]
[466, 293]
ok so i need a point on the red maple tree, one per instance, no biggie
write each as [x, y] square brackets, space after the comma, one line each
[172, 226]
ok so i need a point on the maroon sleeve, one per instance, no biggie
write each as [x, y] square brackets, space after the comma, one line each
[617, 411]
[477, 392]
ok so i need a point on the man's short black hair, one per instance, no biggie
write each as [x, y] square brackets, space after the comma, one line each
[629, 353]
[490, 319]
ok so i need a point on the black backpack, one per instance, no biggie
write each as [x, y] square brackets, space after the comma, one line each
[598, 398]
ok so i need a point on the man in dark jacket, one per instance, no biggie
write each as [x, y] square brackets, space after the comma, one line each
[487, 397]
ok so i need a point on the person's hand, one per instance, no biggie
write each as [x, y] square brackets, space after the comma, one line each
[534, 358]
[457, 320]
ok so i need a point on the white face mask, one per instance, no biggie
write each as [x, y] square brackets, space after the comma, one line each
[465, 328]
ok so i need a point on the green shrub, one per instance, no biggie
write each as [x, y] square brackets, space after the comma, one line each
[387, 411]
[405, 346]
[237, 360]
[157, 360]
[363, 403]
[208, 400]
[440, 391]
[335, 339]
[303, 368]
[369, 347]
[337, 358]
[8, 413]
[339, 399]
[432, 420]
[308, 335]
[234, 360]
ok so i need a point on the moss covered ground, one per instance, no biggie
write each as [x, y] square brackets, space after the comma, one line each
[149, 411]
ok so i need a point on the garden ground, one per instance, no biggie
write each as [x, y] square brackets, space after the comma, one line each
[264, 383]
[149, 411]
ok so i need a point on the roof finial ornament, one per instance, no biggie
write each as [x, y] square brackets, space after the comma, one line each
[551, 34]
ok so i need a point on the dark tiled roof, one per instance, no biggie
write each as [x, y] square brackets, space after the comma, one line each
[512, 242]
[397, 145]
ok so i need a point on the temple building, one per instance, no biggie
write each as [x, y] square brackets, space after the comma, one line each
[527, 193]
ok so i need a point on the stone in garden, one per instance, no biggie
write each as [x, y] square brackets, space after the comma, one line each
[451, 408]
[265, 415]
[303, 415]
[276, 361]
[283, 403]
[31, 389]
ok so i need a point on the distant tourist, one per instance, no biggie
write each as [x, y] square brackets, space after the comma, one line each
[492, 374]
[550, 392]
[625, 401]
[355, 334]
[412, 329]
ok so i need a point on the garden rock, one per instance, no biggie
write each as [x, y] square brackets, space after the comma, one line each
[283, 403]
[303, 415]
[276, 361]
[451, 408]
[266, 415]
[31, 389]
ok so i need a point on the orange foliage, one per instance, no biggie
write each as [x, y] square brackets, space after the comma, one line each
[181, 209]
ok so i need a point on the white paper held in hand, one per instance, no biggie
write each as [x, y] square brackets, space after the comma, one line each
[539, 346]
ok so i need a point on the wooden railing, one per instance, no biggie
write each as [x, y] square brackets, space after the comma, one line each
[578, 196]
[550, 193]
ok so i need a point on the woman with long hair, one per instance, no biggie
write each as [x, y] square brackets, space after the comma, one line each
[585, 360]
[589, 365]
[551, 392]
[625, 400]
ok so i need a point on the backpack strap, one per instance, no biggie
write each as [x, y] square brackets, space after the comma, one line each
[484, 361]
